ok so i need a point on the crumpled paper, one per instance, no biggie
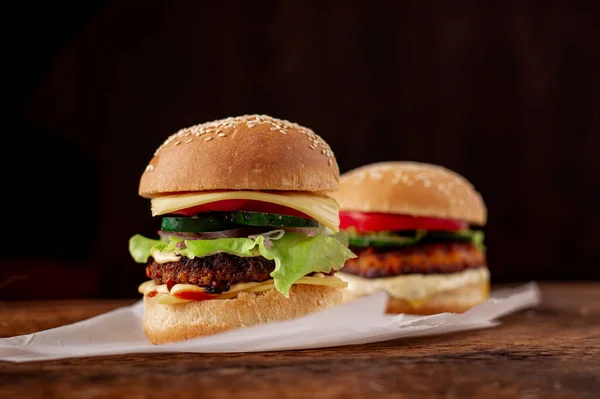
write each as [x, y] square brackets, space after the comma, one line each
[357, 322]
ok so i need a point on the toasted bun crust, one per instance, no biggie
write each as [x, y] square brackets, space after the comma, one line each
[455, 301]
[411, 188]
[250, 152]
[170, 323]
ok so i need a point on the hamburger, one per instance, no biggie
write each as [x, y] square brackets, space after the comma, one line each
[416, 230]
[247, 233]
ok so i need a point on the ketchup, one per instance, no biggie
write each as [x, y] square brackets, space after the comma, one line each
[194, 295]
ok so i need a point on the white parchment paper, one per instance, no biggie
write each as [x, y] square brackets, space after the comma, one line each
[360, 321]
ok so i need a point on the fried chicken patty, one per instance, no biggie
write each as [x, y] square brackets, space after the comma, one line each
[424, 259]
[216, 273]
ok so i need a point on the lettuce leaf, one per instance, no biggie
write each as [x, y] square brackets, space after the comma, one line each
[141, 247]
[477, 240]
[390, 239]
[235, 246]
[295, 254]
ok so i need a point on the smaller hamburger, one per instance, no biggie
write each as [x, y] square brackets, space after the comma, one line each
[414, 227]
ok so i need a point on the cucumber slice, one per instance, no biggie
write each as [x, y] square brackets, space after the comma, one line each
[463, 235]
[195, 224]
[269, 220]
[474, 236]
[382, 241]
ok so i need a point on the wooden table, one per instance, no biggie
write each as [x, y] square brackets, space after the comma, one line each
[550, 352]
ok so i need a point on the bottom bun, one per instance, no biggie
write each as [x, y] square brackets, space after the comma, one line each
[424, 294]
[456, 301]
[170, 323]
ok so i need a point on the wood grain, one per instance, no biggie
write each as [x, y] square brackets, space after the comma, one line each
[552, 351]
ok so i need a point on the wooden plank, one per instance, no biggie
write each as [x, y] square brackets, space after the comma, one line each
[550, 352]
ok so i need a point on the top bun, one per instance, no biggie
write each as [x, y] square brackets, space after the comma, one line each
[411, 188]
[250, 152]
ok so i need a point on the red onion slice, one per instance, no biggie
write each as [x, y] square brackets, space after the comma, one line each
[309, 231]
[210, 235]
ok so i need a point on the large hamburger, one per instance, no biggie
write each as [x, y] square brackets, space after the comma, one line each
[246, 234]
[416, 230]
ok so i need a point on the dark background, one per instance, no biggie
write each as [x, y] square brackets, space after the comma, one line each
[505, 93]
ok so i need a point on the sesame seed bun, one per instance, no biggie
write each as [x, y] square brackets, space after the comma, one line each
[250, 152]
[411, 188]
[170, 323]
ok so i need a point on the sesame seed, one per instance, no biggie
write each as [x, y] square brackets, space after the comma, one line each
[177, 143]
[251, 121]
[221, 134]
[149, 168]
[208, 138]
[375, 174]
[330, 162]
[188, 141]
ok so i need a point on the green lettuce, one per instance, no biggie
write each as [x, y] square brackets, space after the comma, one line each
[141, 247]
[390, 239]
[477, 239]
[295, 254]
[235, 246]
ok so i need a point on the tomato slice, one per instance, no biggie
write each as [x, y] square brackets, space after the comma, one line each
[241, 205]
[194, 296]
[219, 206]
[374, 221]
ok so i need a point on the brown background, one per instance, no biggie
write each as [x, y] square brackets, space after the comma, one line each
[505, 93]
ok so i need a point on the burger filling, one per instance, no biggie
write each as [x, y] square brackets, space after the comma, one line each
[393, 245]
[218, 249]
[412, 257]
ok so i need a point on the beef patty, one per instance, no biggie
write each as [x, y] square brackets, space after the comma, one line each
[423, 259]
[216, 273]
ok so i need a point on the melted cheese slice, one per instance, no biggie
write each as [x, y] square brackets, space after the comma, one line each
[164, 257]
[415, 288]
[321, 208]
[166, 297]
